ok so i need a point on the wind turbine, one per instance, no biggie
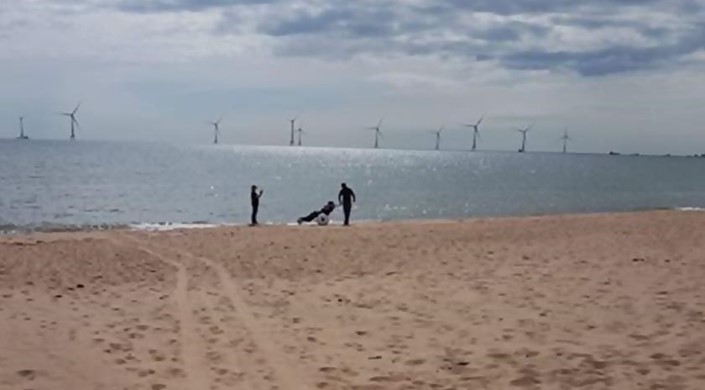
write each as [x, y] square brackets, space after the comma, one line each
[216, 130]
[293, 123]
[438, 136]
[378, 132]
[74, 122]
[565, 138]
[523, 138]
[22, 135]
[300, 132]
[475, 132]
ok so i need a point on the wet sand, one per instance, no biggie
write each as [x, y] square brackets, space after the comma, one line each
[591, 302]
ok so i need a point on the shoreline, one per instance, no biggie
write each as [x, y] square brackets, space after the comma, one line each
[11, 230]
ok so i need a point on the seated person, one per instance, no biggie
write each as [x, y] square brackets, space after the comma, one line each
[327, 209]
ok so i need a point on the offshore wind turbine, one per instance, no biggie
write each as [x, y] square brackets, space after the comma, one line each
[216, 130]
[293, 124]
[475, 132]
[22, 134]
[74, 122]
[438, 136]
[378, 132]
[523, 138]
[565, 138]
[300, 132]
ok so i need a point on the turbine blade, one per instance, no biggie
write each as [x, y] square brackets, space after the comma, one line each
[76, 109]
[480, 121]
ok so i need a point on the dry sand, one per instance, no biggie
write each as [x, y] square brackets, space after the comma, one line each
[591, 302]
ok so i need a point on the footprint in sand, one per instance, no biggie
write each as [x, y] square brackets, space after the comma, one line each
[29, 375]
[415, 362]
[144, 373]
[525, 381]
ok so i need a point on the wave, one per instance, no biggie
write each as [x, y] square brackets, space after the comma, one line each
[47, 227]
[689, 209]
[10, 229]
[167, 226]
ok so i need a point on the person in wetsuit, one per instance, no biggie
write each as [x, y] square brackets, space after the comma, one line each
[347, 198]
[327, 209]
[254, 199]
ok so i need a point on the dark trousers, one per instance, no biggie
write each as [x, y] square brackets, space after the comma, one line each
[347, 207]
[311, 216]
[255, 209]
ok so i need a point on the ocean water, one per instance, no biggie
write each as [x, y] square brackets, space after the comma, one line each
[46, 185]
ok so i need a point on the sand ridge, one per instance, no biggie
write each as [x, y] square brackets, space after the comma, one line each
[590, 301]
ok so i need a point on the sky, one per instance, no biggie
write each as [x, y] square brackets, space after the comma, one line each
[621, 75]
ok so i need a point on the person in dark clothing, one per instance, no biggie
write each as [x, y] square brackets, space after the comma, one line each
[327, 209]
[254, 198]
[347, 198]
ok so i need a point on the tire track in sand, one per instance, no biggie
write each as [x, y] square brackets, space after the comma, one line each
[285, 376]
[195, 372]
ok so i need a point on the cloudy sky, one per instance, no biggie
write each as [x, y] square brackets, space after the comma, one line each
[626, 75]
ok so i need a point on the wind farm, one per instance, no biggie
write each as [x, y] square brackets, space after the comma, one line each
[297, 135]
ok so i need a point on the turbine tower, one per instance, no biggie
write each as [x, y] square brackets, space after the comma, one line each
[438, 136]
[475, 132]
[378, 132]
[74, 122]
[300, 132]
[293, 124]
[565, 138]
[523, 138]
[22, 135]
[216, 130]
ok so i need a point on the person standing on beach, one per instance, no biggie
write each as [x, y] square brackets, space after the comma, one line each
[347, 198]
[254, 198]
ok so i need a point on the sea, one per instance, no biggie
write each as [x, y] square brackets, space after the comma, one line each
[63, 185]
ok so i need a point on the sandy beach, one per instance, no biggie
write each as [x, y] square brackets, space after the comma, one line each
[608, 301]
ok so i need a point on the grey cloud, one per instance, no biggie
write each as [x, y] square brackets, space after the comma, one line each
[140, 6]
[346, 29]
[610, 60]
[349, 20]
[337, 29]
[514, 7]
